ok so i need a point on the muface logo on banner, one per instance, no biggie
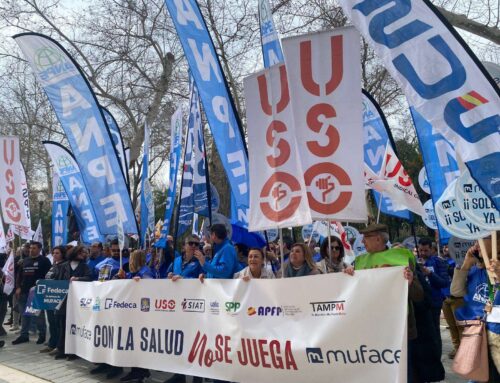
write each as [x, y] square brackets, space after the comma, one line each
[60, 206]
[271, 48]
[453, 219]
[448, 88]
[278, 193]
[11, 189]
[476, 205]
[327, 111]
[84, 125]
[71, 178]
[376, 138]
[216, 98]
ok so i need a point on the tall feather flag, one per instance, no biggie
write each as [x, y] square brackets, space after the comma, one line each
[271, 47]
[147, 207]
[448, 86]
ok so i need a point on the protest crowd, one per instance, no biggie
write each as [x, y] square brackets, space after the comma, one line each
[432, 281]
[206, 289]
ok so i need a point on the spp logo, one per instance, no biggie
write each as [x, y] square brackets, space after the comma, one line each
[328, 308]
[232, 307]
[193, 305]
[145, 304]
[41, 289]
[165, 305]
[314, 355]
[85, 303]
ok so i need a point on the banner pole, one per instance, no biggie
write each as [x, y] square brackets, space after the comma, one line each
[329, 245]
[207, 177]
[311, 236]
[486, 260]
[494, 247]
[281, 253]
[379, 206]
[121, 259]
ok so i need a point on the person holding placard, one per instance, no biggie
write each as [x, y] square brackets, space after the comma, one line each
[473, 283]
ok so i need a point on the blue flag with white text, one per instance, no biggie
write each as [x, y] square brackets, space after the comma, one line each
[79, 113]
[439, 160]
[271, 47]
[78, 196]
[146, 193]
[116, 135]
[216, 98]
[60, 206]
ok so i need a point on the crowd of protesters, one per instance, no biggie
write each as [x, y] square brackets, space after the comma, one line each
[436, 286]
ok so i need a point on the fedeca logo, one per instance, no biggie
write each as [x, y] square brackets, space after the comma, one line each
[328, 308]
[193, 305]
[112, 304]
[41, 289]
[167, 305]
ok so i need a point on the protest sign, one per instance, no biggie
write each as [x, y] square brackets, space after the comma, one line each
[247, 332]
[49, 293]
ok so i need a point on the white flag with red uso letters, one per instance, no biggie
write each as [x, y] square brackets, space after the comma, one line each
[324, 77]
[277, 190]
[11, 194]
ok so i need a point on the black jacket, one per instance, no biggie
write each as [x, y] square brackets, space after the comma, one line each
[82, 272]
[32, 270]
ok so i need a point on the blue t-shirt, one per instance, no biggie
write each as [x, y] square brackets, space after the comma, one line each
[107, 269]
[476, 298]
[191, 269]
[92, 263]
[143, 273]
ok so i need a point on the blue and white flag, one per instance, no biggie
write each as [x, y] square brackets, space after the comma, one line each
[200, 171]
[69, 174]
[116, 135]
[216, 98]
[76, 107]
[175, 155]
[439, 160]
[186, 204]
[146, 192]
[377, 134]
[271, 47]
[447, 85]
[60, 206]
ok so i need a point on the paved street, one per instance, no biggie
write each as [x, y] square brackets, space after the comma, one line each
[24, 364]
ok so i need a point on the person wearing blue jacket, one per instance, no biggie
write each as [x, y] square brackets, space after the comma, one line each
[107, 269]
[187, 265]
[96, 256]
[224, 262]
[436, 272]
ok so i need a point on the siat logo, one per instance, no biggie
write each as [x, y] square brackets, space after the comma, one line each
[46, 57]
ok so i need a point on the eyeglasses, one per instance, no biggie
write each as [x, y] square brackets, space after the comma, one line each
[190, 243]
[336, 248]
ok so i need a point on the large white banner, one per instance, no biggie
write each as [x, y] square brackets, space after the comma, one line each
[11, 190]
[324, 75]
[277, 191]
[285, 330]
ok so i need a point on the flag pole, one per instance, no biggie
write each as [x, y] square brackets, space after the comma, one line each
[281, 253]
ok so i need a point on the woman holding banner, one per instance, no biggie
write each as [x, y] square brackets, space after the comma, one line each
[58, 259]
[481, 298]
[332, 261]
[76, 269]
[300, 262]
[256, 267]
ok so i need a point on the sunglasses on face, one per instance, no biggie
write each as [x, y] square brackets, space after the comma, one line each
[337, 248]
[191, 243]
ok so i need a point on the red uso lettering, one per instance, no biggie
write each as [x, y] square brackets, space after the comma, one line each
[278, 193]
[318, 120]
[283, 146]
[11, 206]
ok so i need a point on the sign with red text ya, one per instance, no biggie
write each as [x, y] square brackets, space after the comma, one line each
[277, 190]
[247, 332]
[11, 192]
[324, 76]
